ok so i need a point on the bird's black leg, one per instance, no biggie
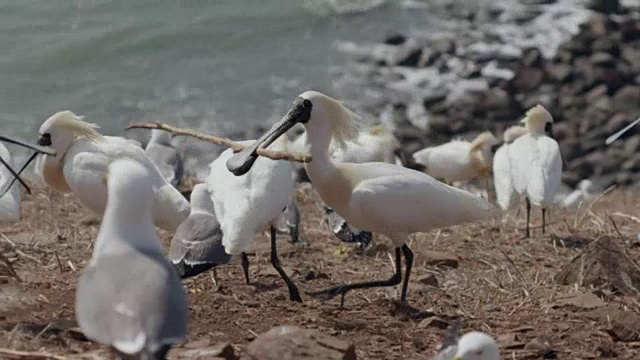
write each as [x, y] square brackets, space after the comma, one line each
[543, 219]
[294, 294]
[408, 260]
[528, 204]
[245, 266]
[343, 289]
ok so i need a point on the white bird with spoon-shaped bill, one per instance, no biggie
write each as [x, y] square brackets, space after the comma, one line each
[378, 197]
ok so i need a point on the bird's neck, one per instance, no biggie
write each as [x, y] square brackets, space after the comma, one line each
[535, 128]
[129, 224]
[321, 165]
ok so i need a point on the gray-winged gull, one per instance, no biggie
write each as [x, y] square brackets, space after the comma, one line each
[129, 297]
[166, 156]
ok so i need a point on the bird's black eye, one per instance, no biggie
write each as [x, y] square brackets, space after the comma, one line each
[44, 140]
[479, 352]
[307, 103]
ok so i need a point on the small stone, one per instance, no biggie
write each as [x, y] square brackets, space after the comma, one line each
[605, 6]
[219, 352]
[397, 39]
[438, 259]
[542, 346]
[430, 280]
[602, 59]
[433, 322]
[491, 308]
[527, 79]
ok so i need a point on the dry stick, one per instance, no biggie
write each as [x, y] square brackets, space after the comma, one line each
[273, 155]
[17, 355]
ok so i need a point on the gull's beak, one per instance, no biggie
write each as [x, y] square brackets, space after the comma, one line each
[40, 148]
[300, 112]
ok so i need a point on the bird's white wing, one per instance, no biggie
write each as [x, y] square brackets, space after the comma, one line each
[520, 161]
[545, 173]
[502, 179]
[413, 202]
[447, 161]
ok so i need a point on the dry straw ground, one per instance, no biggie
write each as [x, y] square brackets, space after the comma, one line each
[485, 273]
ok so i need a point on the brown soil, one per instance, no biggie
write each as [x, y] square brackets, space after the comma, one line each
[503, 285]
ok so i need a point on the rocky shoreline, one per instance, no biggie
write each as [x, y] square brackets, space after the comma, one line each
[432, 88]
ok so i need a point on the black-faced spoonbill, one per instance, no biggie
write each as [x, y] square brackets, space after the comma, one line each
[83, 156]
[459, 160]
[166, 156]
[506, 196]
[15, 175]
[378, 197]
[536, 162]
[242, 206]
[129, 297]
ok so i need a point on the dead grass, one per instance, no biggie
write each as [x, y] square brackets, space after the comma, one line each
[504, 285]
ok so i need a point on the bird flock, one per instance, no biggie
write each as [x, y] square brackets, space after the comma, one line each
[357, 173]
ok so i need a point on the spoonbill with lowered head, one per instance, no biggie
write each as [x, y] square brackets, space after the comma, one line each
[129, 297]
[166, 156]
[82, 158]
[379, 197]
[459, 160]
[242, 206]
[536, 162]
[506, 196]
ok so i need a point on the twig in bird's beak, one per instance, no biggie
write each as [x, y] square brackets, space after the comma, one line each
[273, 155]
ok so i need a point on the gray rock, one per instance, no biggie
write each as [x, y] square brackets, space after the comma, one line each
[295, 343]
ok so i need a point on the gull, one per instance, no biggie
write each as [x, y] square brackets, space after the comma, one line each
[196, 245]
[378, 197]
[244, 205]
[536, 162]
[83, 156]
[166, 156]
[129, 297]
[459, 160]
[474, 345]
[506, 197]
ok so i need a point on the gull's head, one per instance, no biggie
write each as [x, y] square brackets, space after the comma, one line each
[539, 120]
[128, 182]
[201, 199]
[160, 136]
[476, 345]
[62, 128]
[324, 118]
[512, 133]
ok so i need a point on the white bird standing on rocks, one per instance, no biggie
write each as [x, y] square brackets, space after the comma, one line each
[378, 197]
[83, 156]
[166, 156]
[244, 205]
[459, 160]
[536, 162]
[129, 296]
[506, 196]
